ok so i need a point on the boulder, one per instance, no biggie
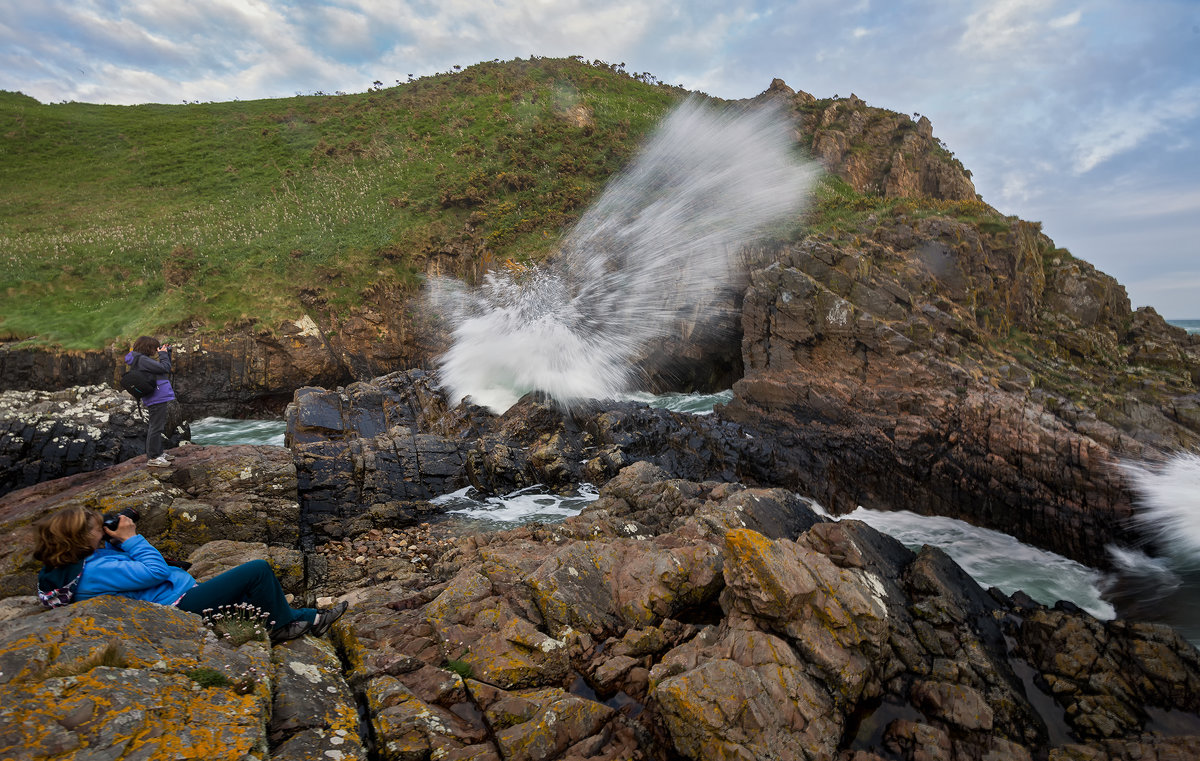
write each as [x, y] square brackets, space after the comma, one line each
[123, 678]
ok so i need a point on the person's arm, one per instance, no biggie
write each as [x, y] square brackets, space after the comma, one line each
[160, 367]
[144, 568]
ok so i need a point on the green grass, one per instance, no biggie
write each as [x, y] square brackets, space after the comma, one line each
[112, 655]
[840, 211]
[117, 221]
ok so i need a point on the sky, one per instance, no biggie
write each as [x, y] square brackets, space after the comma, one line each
[1083, 115]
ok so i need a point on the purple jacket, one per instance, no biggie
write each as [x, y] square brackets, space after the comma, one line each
[157, 370]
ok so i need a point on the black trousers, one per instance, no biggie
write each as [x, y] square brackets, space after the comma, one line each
[154, 434]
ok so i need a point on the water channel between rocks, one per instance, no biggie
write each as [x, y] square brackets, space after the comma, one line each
[992, 558]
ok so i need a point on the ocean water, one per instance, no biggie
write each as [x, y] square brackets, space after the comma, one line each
[1191, 326]
[1160, 579]
[227, 432]
[995, 559]
[696, 404]
[476, 513]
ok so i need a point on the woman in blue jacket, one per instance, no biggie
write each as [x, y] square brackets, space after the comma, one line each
[82, 558]
[140, 357]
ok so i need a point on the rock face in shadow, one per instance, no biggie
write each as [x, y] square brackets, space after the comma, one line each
[670, 619]
[941, 370]
[46, 435]
[372, 453]
[244, 372]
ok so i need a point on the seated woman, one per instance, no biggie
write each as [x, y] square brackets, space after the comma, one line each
[82, 558]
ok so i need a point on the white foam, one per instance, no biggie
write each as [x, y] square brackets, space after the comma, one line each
[1167, 504]
[996, 559]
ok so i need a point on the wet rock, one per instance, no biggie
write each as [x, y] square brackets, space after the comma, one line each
[370, 455]
[313, 714]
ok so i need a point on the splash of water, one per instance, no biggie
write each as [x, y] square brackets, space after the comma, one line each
[1167, 505]
[1165, 586]
[662, 242]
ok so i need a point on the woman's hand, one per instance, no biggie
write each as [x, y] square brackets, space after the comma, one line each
[126, 529]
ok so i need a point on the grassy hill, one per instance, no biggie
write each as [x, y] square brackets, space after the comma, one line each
[122, 220]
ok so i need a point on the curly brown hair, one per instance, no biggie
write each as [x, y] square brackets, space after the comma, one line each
[62, 538]
[147, 345]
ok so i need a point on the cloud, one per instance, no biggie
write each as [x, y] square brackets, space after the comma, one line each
[1071, 19]
[1120, 129]
[1013, 29]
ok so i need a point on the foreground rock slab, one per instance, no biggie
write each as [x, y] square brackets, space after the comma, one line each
[707, 620]
[671, 619]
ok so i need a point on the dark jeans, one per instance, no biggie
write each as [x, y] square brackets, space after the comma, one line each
[252, 582]
[154, 434]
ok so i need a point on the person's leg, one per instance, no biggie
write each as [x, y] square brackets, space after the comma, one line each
[252, 582]
[154, 433]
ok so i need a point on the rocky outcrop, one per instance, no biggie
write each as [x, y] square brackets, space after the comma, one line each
[252, 371]
[670, 619]
[46, 435]
[693, 633]
[878, 151]
[947, 371]
[370, 454]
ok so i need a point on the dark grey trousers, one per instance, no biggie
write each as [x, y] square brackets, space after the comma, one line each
[154, 434]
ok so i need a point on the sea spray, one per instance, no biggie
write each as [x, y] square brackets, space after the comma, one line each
[1167, 505]
[1161, 580]
[662, 243]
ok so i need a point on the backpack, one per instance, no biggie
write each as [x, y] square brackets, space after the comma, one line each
[138, 383]
[50, 593]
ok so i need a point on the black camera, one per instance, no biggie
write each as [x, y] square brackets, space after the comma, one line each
[112, 520]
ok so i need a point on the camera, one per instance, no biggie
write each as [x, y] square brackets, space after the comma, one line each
[112, 520]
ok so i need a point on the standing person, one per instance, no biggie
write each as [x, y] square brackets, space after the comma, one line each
[83, 558]
[140, 357]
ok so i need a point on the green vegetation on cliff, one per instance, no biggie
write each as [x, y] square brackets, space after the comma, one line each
[172, 219]
[121, 220]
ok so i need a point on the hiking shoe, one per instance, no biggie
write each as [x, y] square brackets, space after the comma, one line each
[297, 628]
[325, 618]
[168, 457]
[158, 462]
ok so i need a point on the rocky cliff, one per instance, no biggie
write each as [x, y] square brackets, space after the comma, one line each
[910, 347]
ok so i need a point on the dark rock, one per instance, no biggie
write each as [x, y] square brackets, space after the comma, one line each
[656, 624]
[46, 435]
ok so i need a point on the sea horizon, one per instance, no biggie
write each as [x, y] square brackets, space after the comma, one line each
[1192, 326]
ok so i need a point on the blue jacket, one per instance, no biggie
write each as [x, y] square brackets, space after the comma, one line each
[135, 570]
[158, 370]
